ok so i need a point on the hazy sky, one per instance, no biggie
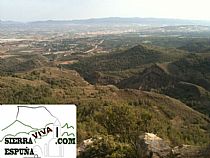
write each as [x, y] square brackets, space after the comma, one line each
[31, 10]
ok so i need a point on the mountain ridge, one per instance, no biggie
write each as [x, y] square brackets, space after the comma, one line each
[117, 20]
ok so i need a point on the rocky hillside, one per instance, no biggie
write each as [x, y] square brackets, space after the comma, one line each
[186, 79]
[112, 67]
[122, 114]
[154, 77]
[148, 145]
[22, 63]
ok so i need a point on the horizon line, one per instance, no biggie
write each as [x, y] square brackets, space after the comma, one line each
[97, 18]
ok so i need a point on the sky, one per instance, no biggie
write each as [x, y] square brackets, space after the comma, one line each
[35, 10]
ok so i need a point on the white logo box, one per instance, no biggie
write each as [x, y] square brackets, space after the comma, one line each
[37, 131]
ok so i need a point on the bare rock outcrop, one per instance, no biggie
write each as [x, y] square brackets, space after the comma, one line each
[152, 146]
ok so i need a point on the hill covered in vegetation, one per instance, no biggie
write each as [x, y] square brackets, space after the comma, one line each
[122, 114]
[110, 68]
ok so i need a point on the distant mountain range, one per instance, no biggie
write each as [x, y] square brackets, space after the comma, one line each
[114, 21]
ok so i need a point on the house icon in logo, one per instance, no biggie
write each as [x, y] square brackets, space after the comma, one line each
[52, 149]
